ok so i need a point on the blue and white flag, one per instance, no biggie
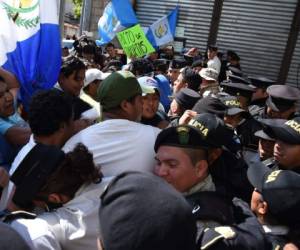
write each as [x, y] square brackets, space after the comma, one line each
[117, 16]
[163, 30]
[30, 43]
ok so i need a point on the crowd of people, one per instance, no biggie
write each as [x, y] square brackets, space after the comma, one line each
[170, 151]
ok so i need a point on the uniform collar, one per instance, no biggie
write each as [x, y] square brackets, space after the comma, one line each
[205, 185]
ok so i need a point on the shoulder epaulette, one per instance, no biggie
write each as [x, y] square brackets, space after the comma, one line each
[213, 235]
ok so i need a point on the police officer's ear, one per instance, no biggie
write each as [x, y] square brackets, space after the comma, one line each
[201, 168]
[262, 208]
[213, 154]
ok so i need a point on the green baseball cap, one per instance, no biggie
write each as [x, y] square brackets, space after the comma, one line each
[117, 87]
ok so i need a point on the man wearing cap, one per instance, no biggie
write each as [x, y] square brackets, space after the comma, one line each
[287, 145]
[210, 105]
[276, 203]
[93, 78]
[209, 85]
[182, 160]
[151, 94]
[282, 100]
[259, 97]
[266, 142]
[213, 60]
[184, 100]
[227, 168]
[198, 65]
[174, 69]
[120, 142]
[244, 125]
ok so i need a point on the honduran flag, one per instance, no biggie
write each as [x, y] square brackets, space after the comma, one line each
[30, 43]
[117, 16]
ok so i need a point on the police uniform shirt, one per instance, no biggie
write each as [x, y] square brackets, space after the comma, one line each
[230, 176]
[247, 233]
[246, 131]
[257, 108]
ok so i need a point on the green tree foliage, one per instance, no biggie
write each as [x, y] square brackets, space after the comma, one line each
[77, 8]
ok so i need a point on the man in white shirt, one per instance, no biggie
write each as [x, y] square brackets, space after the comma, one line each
[213, 60]
[119, 143]
[93, 78]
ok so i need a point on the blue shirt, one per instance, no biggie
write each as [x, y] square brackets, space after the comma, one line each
[8, 151]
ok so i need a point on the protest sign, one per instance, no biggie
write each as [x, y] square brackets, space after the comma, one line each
[134, 42]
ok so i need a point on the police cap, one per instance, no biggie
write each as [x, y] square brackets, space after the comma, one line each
[199, 63]
[177, 64]
[187, 98]
[235, 71]
[280, 189]
[210, 105]
[265, 133]
[183, 136]
[212, 129]
[237, 89]
[289, 132]
[282, 97]
[233, 105]
[238, 79]
[261, 82]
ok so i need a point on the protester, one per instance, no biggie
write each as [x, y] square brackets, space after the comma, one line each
[68, 189]
[213, 60]
[14, 131]
[119, 143]
[151, 114]
[50, 119]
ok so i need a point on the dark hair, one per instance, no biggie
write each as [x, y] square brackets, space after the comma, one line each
[77, 168]
[48, 109]
[192, 79]
[113, 65]
[71, 64]
[233, 55]
[89, 49]
[141, 67]
[110, 45]
[195, 154]
[2, 79]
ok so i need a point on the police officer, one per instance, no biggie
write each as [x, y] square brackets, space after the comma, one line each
[276, 202]
[184, 100]
[227, 168]
[266, 142]
[259, 97]
[239, 87]
[282, 100]
[181, 154]
[287, 145]
[244, 125]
